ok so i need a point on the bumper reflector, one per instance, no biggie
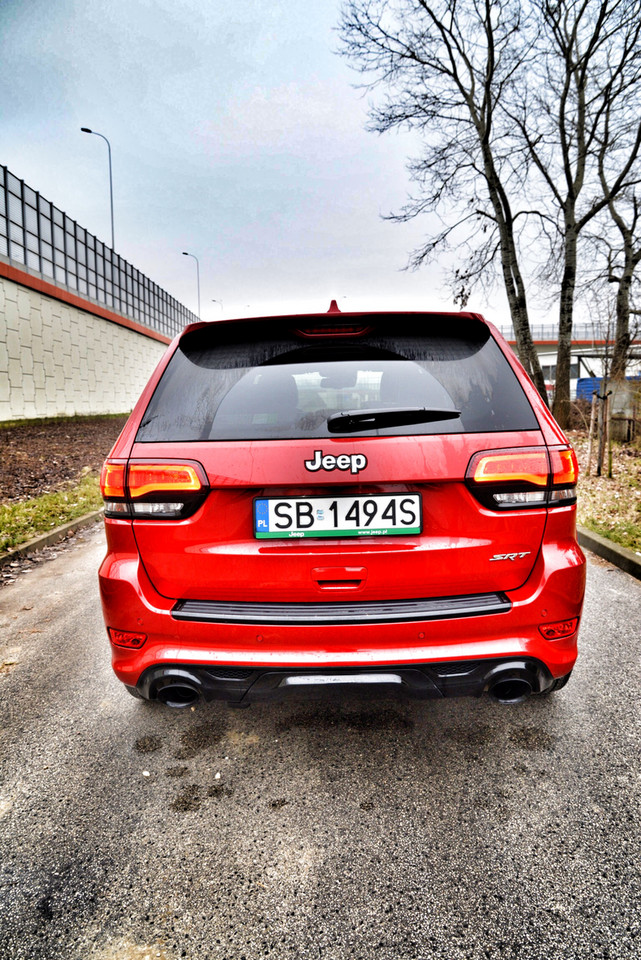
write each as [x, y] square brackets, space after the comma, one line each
[560, 629]
[127, 638]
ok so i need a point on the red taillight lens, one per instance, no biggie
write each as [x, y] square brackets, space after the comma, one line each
[159, 490]
[147, 478]
[559, 630]
[565, 468]
[127, 638]
[112, 480]
[510, 466]
[523, 478]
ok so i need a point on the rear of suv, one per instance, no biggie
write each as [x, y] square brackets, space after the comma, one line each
[373, 503]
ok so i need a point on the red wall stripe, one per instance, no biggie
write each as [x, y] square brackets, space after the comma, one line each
[58, 293]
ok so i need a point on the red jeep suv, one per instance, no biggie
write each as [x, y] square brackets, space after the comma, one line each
[354, 502]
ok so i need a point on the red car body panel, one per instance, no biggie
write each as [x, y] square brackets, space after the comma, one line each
[213, 555]
[531, 555]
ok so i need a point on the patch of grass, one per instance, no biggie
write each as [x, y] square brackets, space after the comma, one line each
[626, 534]
[26, 519]
[611, 506]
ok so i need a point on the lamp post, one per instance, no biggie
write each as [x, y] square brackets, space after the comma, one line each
[111, 186]
[185, 254]
[220, 304]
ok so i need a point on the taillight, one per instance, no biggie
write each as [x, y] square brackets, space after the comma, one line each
[168, 489]
[112, 480]
[144, 479]
[565, 473]
[523, 477]
[527, 466]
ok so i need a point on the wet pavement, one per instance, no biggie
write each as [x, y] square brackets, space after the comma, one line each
[446, 829]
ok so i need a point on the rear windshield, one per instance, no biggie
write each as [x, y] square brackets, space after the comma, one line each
[262, 380]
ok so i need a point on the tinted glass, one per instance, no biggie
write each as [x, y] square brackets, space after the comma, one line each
[256, 381]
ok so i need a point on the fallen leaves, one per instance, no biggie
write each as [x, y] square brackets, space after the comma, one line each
[611, 506]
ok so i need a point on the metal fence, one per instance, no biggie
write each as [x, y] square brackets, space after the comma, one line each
[36, 234]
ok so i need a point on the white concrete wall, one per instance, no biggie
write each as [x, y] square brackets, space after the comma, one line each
[56, 360]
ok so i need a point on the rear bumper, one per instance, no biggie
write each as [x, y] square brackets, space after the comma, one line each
[493, 631]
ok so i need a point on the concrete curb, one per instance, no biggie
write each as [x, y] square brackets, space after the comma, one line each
[621, 557]
[48, 539]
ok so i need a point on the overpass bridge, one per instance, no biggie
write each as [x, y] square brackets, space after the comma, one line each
[590, 349]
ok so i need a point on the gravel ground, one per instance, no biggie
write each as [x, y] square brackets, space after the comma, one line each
[9, 572]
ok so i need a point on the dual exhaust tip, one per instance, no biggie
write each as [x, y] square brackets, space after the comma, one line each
[508, 683]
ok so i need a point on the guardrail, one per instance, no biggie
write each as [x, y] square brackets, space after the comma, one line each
[36, 234]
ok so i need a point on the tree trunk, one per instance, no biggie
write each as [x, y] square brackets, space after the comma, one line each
[561, 406]
[512, 277]
[622, 335]
[518, 309]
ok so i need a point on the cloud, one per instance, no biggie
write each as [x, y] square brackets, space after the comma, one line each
[292, 117]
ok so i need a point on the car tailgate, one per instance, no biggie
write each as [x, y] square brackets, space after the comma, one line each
[463, 547]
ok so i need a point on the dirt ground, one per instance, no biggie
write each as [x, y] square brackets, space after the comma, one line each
[611, 505]
[43, 456]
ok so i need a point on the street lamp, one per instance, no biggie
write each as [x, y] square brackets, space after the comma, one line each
[111, 186]
[185, 254]
[220, 304]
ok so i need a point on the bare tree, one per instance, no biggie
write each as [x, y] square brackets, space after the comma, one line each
[445, 67]
[579, 114]
[611, 254]
[622, 265]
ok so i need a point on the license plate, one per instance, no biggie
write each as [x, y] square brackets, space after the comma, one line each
[380, 515]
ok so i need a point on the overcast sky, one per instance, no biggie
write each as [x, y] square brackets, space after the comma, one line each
[236, 134]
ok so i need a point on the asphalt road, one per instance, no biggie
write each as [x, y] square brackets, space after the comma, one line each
[453, 829]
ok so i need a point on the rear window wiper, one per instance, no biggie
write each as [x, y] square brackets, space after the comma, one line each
[351, 420]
